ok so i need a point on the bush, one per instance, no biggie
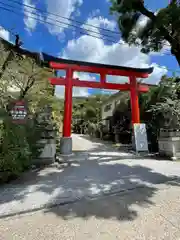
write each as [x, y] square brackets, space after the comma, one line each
[15, 151]
[19, 145]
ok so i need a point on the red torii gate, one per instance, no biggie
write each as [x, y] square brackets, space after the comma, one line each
[103, 70]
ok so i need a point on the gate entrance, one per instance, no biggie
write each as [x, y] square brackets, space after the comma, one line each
[103, 70]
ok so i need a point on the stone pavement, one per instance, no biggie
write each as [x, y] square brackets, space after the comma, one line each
[101, 170]
[123, 217]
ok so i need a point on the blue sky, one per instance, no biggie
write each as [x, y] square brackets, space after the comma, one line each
[65, 41]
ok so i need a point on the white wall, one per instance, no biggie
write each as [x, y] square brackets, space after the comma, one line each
[113, 102]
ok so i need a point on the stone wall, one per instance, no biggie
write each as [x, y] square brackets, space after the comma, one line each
[169, 144]
[47, 140]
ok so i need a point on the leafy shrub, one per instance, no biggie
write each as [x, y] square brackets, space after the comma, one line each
[15, 156]
[18, 147]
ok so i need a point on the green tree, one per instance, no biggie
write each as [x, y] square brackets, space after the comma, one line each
[159, 108]
[22, 77]
[161, 27]
[86, 110]
[90, 114]
[151, 112]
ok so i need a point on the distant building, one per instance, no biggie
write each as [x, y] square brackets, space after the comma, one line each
[109, 106]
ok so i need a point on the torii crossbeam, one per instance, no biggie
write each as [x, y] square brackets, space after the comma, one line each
[103, 70]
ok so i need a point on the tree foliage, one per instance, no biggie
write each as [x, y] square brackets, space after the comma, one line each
[159, 108]
[159, 27]
[167, 107]
[21, 77]
[15, 151]
[87, 111]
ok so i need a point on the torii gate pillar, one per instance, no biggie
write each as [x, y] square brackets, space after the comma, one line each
[66, 140]
[135, 112]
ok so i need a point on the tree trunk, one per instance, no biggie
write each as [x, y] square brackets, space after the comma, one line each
[175, 46]
[177, 56]
[27, 88]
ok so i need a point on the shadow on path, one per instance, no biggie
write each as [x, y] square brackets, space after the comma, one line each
[90, 178]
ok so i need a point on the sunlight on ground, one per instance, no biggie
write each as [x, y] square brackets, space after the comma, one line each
[109, 154]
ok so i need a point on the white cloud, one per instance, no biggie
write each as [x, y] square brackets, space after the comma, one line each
[84, 48]
[165, 50]
[98, 22]
[77, 92]
[4, 34]
[63, 8]
[142, 22]
[29, 20]
[87, 48]
[167, 46]
[90, 49]
[158, 72]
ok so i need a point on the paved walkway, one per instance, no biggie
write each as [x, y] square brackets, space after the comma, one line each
[123, 217]
[99, 170]
[144, 205]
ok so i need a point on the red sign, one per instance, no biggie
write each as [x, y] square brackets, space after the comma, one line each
[18, 111]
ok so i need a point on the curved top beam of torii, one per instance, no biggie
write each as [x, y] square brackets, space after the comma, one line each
[81, 66]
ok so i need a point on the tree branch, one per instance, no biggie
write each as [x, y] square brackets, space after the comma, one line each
[17, 83]
[144, 11]
[6, 62]
[10, 56]
[27, 88]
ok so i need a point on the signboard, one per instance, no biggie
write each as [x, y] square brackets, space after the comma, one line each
[140, 135]
[18, 111]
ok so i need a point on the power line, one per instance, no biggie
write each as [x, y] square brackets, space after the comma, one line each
[58, 25]
[172, 70]
[53, 24]
[69, 19]
[61, 26]
[64, 23]
[40, 20]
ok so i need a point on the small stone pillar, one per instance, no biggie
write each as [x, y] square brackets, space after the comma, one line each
[47, 141]
[169, 143]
